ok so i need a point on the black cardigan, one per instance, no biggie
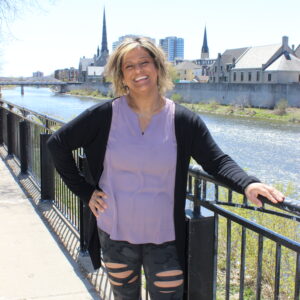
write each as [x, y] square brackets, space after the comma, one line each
[90, 131]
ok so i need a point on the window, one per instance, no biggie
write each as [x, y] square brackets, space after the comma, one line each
[216, 68]
[269, 77]
[249, 76]
[221, 68]
[242, 76]
[299, 78]
[257, 76]
[227, 68]
[234, 76]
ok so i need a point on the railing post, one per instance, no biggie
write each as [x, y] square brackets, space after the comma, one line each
[10, 133]
[201, 242]
[1, 125]
[47, 170]
[84, 209]
[23, 129]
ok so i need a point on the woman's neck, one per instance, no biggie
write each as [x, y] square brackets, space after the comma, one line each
[145, 104]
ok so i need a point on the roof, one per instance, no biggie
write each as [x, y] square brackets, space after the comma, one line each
[286, 62]
[231, 54]
[255, 57]
[85, 62]
[187, 65]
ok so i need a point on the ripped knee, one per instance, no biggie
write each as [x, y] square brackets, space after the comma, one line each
[119, 275]
[169, 281]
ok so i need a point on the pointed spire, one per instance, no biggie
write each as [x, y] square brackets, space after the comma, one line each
[104, 36]
[102, 55]
[205, 51]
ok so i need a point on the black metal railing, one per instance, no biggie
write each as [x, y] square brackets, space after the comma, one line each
[25, 134]
[254, 252]
[234, 249]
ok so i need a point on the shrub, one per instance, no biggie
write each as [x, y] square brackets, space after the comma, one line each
[213, 105]
[177, 97]
[280, 108]
[110, 94]
[95, 94]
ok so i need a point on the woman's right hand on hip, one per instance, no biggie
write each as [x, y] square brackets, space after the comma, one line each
[96, 203]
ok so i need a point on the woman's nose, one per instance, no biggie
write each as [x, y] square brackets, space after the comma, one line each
[138, 67]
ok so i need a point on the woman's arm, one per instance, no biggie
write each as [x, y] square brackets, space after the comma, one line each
[73, 135]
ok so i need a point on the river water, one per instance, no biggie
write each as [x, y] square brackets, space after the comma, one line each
[270, 150]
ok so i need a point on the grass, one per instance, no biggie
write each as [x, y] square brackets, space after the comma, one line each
[88, 93]
[285, 227]
[291, 114]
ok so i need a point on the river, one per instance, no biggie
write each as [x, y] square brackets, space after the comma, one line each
[270, 150]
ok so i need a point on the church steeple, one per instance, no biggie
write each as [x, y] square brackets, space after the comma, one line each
[205, 51]
[102, 55]
[104, 36]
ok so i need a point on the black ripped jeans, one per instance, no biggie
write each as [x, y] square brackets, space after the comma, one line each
[123, 262]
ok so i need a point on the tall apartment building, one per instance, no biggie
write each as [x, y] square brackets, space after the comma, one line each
[37, 74]
[173, 47]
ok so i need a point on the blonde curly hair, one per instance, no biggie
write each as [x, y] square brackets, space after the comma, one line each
[113, 67]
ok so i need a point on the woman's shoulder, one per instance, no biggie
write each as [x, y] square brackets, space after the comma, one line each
[102, 106]
[96, 114]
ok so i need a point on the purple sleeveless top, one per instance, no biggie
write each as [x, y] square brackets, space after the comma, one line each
[139, 176]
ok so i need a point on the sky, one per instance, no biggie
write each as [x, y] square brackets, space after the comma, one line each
[59, 32]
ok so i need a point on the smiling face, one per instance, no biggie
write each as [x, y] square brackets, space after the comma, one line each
[139, 71]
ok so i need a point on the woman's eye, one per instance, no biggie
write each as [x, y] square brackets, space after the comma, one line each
[128, 67]
[145, 63]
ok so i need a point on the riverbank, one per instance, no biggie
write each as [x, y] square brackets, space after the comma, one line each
[89, 93]
[280, 113]
[283, 114]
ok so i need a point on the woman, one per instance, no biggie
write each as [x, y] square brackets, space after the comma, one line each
[138, 149]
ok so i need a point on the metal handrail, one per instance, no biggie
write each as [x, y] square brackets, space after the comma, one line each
[289, 205]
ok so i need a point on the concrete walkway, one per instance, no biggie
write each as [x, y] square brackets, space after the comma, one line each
[32, 264]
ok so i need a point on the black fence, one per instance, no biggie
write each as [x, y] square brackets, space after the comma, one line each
[235, 250]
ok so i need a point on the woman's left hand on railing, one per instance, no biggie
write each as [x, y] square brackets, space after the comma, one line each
[253, 190]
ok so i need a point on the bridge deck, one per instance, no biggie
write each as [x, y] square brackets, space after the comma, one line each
[32, 83]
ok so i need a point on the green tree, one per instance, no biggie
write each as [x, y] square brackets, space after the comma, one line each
[173, 73]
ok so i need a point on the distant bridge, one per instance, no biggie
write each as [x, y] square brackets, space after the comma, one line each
[33, 83]
[39, 82]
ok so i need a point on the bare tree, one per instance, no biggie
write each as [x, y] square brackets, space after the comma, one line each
[11, 9]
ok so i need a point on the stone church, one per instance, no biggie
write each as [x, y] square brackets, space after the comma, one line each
[91, 69]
